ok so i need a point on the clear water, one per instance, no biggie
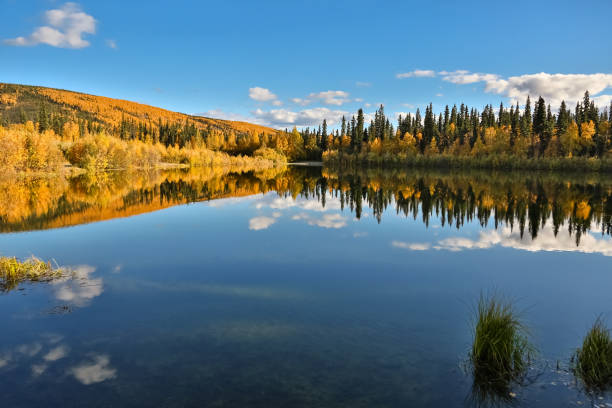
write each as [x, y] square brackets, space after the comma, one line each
[300, 288]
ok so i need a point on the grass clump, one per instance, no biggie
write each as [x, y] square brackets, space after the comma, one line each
[14, 272]
[592, 363]
[501, 352]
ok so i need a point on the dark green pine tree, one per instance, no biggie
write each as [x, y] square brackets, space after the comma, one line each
[428, 127]
[353, 134]
[563, 120]
[43, 118]
[526, 120]
[359, 132]
[324, 136]
[540, 123]
[343, 126]
[586, 105]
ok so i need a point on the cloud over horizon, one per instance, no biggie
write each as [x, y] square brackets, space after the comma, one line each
[554, 88]
[306, 117]
[65, 29]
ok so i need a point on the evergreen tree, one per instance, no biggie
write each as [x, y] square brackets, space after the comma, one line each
[526, 121]
[359, 132]
[43, 118]
[324, 136]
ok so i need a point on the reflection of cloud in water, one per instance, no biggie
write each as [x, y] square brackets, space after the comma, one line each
[26, 353]
[252, 331]
[80, 288]
[223, 202]
[95, 371]
[413, 246]
[260, 223]
[38, 369]
[505, 237]
[360, 234]
[283, 203]
[29, 350]
[57, 353]
[324, 221]
[4, 359]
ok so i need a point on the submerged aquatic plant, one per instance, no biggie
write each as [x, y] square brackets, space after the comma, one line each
[14, 272]
[592, 363]
[501, 352]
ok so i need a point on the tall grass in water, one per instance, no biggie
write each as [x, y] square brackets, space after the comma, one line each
[13, 272]
[501, 352]
[592, 363]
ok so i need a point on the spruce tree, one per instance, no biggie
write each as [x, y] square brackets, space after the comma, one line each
[359, 132]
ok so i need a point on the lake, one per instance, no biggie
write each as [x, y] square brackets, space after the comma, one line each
[298, 287]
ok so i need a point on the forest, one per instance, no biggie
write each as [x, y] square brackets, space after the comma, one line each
[42, 128]
[464, 137]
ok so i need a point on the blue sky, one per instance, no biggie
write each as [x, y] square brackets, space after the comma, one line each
[283, 63]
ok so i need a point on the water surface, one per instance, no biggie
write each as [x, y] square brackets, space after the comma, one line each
[299, 287]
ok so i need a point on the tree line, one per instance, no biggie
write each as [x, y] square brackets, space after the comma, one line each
[462, 131]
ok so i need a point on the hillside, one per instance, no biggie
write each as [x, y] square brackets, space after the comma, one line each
[16, 100]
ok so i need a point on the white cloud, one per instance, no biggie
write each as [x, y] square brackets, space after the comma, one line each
[301, 101]
[261, 94]
[221, 114]
[413, 246]
[306, 117]
[94, 372]
[111, 44]
[260, 223]
[552, 87]
[57, 353]
[417, 73]
[363, 84]
[277, 103]
[331, 97]
[65, 29]
[439, 94]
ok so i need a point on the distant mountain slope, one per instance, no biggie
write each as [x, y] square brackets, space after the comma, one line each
[18, 99]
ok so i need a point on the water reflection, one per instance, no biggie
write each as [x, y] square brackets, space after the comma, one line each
[547, 240]
[533, 205]
[94, 370]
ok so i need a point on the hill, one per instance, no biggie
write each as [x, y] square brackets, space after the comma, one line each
[19, 100]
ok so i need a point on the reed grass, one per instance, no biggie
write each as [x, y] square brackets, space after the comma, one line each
[14, 272]
[501, 352]
[592, 363]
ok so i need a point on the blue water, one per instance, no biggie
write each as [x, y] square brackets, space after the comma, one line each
[268, 300]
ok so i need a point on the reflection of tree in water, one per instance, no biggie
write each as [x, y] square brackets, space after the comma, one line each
[524, 201]
[527, 202]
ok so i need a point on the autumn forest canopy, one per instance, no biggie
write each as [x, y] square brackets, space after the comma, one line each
[41, 129]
